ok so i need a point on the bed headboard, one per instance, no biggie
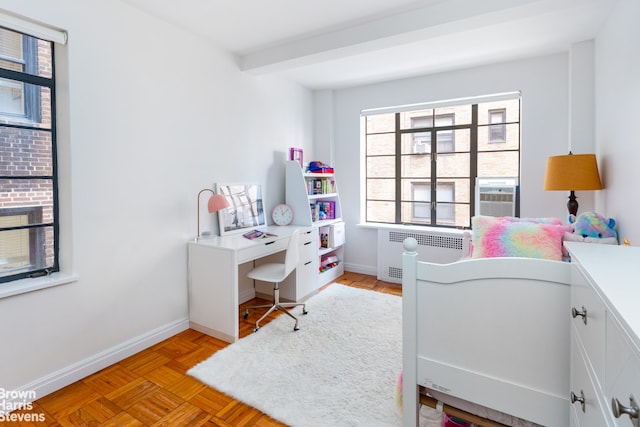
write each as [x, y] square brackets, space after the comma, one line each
[492, 331]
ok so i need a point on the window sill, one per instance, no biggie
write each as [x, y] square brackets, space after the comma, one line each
[422, 228]
[29, 285]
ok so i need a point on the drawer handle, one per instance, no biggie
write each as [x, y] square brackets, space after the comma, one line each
[575, 313]
[270, 243]
[632, 410]
[308, 262]
[580, 399]
[308, 243]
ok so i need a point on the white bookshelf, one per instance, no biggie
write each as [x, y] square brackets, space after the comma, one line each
[315, 201]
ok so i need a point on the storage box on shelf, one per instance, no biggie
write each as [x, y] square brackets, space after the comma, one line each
[315, 201]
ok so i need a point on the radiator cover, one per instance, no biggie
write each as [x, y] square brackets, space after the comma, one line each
[433, 246]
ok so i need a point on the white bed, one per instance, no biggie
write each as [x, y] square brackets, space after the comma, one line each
[489, 335]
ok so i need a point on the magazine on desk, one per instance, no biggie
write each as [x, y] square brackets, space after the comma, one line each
[257, 234]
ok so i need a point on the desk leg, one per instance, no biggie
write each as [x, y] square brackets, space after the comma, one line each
[213, 292]
[246, 288]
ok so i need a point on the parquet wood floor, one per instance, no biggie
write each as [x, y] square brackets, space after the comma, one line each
[151, 388]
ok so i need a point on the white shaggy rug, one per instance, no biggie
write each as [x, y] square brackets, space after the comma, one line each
[339, 369]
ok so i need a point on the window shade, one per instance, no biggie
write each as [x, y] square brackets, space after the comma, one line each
[32, 28]
[441, 104]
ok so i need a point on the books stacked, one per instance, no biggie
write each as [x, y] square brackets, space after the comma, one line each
[321, 186]
[321, 210]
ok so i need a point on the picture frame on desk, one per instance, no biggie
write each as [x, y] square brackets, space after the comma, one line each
[246, 208]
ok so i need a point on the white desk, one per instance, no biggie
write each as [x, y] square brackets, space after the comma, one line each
[217, 276]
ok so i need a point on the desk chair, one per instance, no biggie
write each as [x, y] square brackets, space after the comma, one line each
[276, 273]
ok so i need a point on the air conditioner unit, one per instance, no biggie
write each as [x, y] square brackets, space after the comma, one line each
[497, 197]
[420, 148]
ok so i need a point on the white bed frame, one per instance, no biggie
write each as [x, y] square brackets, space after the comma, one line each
[493, 332]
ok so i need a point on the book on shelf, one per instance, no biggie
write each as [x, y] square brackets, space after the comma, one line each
[324, 209]
[331, 236]
[324, 234]
[329, 209]
[320, 186]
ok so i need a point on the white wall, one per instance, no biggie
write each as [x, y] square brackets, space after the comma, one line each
[617, 81]
[582, 110]
[545, 106]
[154, 115]
[322, 128]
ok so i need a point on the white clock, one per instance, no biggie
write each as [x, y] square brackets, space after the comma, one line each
[282, 214]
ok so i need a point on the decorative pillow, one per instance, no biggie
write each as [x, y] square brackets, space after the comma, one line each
[500, 237]
[550, 220]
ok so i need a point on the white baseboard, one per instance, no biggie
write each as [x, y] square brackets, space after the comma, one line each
[246, 295]
[83, 368]
[362, 269]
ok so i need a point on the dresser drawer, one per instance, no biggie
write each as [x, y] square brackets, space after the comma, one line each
[609, 346]
[307, 250]
[592, 333]
[307, 234]
[582, 385]
[622, 374]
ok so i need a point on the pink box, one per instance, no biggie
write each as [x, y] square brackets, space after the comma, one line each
[449, 421]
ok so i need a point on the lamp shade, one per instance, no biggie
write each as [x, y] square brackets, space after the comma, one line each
[214, 204]
[572, 172]
[217, 202]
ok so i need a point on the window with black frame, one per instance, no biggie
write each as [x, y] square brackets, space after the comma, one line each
[28, 184]
[422, 162]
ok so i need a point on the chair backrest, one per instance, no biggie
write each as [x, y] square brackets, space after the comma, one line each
[291, 257]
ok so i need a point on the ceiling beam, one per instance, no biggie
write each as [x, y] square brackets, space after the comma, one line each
[437, 20]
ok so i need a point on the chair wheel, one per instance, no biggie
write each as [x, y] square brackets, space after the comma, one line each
[305, 312]
[256, 330]
[245, 314]
[295, 328]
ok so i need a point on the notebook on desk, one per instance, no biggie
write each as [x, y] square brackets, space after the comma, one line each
[258, 234]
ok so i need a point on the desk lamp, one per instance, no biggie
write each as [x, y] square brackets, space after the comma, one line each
[215, 203]
[572, 172]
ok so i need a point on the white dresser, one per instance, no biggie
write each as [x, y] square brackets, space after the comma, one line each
[605, 348]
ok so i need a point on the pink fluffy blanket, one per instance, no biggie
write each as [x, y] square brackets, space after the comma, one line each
[516, 237]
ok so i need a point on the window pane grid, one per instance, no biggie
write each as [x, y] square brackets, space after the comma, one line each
[28, 189]
[439, 153]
